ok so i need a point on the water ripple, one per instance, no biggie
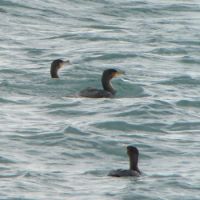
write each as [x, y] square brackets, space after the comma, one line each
[56, 146]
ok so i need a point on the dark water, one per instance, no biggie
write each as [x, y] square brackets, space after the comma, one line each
[54, 147]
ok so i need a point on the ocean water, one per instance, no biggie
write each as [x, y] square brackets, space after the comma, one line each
[55, 147]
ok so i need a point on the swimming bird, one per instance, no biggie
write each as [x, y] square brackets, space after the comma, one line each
[56, 65]
[133, 170]
[107, 91]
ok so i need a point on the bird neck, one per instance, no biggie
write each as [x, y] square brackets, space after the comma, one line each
[54, 73]
[133, 160]
[107, 86]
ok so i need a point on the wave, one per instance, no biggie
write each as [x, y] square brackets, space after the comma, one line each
[181, 80]
[188, 103]
[125, 126]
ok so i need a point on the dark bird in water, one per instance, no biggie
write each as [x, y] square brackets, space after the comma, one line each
[56, 65]
[133, 154]
[107, 91]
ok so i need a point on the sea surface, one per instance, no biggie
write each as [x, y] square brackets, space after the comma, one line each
[56, 147]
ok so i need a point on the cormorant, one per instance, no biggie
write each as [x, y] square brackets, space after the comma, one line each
[107, 91]
[133, 154]
[56, 65]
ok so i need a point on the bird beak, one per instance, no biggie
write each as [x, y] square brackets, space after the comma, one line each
[66, 62]
[119, 73]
